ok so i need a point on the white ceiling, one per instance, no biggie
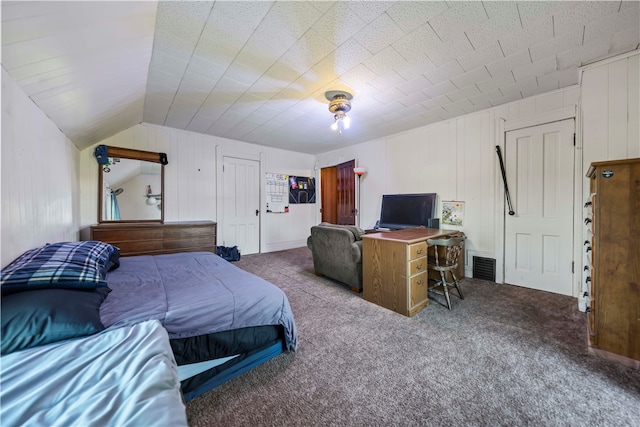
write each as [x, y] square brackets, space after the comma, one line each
[257, 71]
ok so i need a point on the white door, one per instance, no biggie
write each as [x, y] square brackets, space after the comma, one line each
[241, 204]
[539, 237]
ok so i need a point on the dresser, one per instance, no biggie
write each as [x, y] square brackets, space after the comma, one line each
[156, 238]
[614, 270]
[395, 268]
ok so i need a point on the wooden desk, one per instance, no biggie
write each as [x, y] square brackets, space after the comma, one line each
[394, 267]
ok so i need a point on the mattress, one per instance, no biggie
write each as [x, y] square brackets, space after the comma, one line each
[123, 376]
[194, 294]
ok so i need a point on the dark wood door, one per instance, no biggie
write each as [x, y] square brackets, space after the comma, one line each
[346, 187]
[329, 194]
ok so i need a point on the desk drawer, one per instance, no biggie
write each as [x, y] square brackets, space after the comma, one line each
[417, 250]
[418, 266]
[418, 285]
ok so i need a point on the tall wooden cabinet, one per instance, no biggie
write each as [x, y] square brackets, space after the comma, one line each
[614, 316]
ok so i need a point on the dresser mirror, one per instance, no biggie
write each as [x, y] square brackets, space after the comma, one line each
[130, 185]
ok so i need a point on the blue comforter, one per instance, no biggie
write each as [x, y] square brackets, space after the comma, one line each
[192, 294]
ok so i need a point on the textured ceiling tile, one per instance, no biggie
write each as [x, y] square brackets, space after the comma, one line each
[414, 98]
[495, 82]
[441, 53]
[348, 55]
[414, 85]
[536, 90]
[583, 13]
[583, 55]
[338, 25]
[244, 75]
[600, 30]
[440, 89]
[444, 72]
[471, 77]
[461, 16]
[385, 81]
[480, 57]
[292, 18]
[379, 33]
[369, 10]
[465, 92]
[384, 61]
[503, 18]
[537, 68]
[168, 64]
[624, 41]
[416, 42]
[519, 40]
[410, 15]
[561, 78]
[568, 40]
[505, 65]
[358, 76]
[205, 68]
[248, 13]
[532, 11]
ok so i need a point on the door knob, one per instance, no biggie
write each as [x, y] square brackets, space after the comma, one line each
[257, 212]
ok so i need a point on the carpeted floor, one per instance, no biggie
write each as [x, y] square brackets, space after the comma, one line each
[504, 355]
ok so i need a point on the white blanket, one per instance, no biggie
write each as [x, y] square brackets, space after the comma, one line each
[120, 377]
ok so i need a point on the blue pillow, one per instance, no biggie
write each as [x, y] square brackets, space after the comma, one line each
[34, 318]
[60, 265]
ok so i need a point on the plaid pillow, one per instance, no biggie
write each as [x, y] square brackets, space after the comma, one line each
[59, 265]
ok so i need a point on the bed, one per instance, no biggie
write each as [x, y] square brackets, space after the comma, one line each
[141, 334]
[118, 377]
[221, 320]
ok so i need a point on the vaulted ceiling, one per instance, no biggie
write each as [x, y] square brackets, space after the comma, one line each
[257, 71]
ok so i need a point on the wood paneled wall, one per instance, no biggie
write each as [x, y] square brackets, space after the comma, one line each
[39, 177]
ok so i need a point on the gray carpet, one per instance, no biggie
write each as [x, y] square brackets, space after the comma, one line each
[503, 356]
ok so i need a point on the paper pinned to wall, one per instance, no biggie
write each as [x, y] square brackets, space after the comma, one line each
[277, 192]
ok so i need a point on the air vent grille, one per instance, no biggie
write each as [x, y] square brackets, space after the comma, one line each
[484, 268]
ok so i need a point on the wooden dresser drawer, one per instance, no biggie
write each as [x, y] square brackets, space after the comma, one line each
[138, 248]
[127, 234]
[417, 250]
[156, 238]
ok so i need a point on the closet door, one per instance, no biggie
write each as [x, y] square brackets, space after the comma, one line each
[329, 194]
[346, 187]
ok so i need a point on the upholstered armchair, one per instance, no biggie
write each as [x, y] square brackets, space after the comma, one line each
[337, 253]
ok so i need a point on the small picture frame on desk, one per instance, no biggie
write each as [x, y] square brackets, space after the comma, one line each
[452, 212]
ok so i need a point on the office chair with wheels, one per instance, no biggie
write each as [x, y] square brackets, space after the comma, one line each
[445, 260]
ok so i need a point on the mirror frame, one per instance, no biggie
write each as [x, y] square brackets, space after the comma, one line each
[129, 153]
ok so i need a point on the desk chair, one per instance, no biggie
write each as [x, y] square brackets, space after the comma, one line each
[445, 259]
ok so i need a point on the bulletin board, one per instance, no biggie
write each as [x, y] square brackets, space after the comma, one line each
[302, 189]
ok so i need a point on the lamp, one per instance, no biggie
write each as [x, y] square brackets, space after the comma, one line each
[152, 199]
[339, 105]
[359, 172]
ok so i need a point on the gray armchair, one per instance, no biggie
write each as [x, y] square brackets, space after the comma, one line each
[337, 253]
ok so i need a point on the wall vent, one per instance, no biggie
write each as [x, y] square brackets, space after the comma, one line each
[484, 268]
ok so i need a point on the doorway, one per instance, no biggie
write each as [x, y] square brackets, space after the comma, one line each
[539, 237]
[338, 192]
[241, 204]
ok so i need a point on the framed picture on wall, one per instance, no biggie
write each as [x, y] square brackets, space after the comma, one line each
[452, 212]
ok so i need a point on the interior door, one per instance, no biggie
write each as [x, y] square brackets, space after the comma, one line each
[241, 205]
[539, 237]
[346, 193]
[329, 194]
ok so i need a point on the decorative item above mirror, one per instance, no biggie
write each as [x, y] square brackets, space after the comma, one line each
[130, 185]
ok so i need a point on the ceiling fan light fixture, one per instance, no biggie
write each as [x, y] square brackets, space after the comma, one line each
[339, 105]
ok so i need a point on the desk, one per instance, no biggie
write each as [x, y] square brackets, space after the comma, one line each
[394, 268]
